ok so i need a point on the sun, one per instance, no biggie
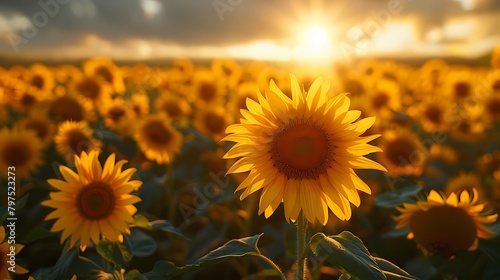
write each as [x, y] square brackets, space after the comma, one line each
[314, 43]
[316, 36]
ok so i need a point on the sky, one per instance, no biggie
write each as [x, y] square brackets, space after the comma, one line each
[251, 29]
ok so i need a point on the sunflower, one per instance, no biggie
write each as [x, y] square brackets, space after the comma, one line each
[21, 96]
[42, 126]
[73, 138]
[92, 88]
[66, 73]
[93, 202]
[302, 152]
[40, 78]
[269, 73]
[107, 70]
[492, 107]
[139, 102]
[185, 66]
[495, 58]
[4, 258]
[368, 68]
[433, 74]
[492, 83]
[117, 114]
[173, 105]
[239, 96]
[21, 149]
[445, 225]
[213, 121]
[460, 85]
[465, 181]
[384, 98]
[468, 129]
[404, 153]
[354, 84]
[206, 89]
[228, 70]
[487, 164]
[432, 113]
[68, 106]
[157, 139]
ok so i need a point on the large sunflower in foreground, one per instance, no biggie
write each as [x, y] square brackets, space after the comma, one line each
[302, 151]
[93, 202]
[444, 225]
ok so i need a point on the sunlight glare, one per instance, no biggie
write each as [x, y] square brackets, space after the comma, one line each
[315, 43]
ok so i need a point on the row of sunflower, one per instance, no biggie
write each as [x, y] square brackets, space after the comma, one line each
[69, 131]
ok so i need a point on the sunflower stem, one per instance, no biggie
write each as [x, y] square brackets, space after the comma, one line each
[301, 244]
[168, 186]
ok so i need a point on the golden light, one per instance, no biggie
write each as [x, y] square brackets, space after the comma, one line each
[315, 43]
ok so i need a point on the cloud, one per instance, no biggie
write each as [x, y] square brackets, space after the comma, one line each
[197, 24]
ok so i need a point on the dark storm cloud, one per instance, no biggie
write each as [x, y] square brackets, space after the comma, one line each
[187, 22]
[199, 23]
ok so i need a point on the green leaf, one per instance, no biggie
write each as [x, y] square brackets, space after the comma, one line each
[63, 269]
[459, 266]
[397, 197]
[132, 275]
[347, 252]
[392, 271]
[117, 253]
[142, 244]
[233, 249]
[166, 226]
[37, 234]
[490, 248]
[21, 202]
[142, 222]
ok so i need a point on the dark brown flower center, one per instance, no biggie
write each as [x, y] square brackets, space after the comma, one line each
[96, 201]
[27, 100]
[496, 85]
[462, 89]
[301, 149]
[116, 113]
[78, 142]
[214, 123]
[89, 88]
[16, 153]
[354, 87]
[37, 81]
[105, 73]
[434, 113]
[172, 109]
[41, 128]
[402, 151]
[156, 133]
[443, 230]
[66, 108]
[207, 91]
[493, 107]
[380, 100]
[390, 76]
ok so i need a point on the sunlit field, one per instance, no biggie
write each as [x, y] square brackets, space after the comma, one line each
[319, 157]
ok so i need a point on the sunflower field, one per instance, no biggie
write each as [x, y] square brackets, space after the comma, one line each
[224, 169]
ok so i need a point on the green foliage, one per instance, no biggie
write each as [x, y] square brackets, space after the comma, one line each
[397, 197]
[119, 254]
[235, 248]
[347, 252]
